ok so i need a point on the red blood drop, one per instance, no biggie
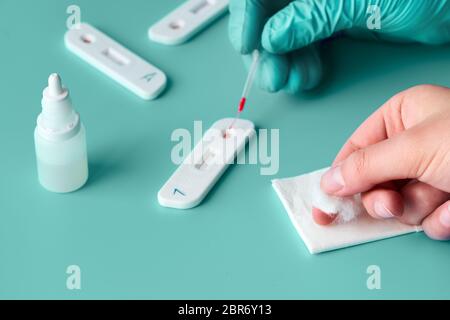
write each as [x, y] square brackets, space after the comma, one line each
[322, 218]
[242, 104]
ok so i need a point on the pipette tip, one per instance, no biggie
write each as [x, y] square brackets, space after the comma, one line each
[247, 86]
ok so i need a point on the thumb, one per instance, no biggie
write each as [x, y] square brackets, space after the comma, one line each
[397, 158]
[247, 19]
[303, 22]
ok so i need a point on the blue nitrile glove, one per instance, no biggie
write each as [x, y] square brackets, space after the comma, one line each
[287, 28]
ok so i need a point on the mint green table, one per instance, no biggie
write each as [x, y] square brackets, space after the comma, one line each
[239, 243]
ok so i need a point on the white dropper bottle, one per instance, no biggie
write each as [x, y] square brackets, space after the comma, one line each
[60, 141]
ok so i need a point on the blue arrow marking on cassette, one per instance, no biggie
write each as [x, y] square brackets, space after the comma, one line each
[175, 191]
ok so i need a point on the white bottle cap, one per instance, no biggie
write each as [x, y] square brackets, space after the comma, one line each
[58, 120]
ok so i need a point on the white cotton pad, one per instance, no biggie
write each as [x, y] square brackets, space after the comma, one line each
[354, 226]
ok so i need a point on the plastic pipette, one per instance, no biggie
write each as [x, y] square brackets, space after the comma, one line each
[248, 85]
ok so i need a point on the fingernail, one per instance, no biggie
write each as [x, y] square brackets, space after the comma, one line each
[445, 217]
[382, 211]
[333, 180]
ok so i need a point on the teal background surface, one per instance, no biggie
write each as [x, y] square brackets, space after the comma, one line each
[239, 243]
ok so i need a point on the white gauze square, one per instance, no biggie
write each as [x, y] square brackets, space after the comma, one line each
[354, 225]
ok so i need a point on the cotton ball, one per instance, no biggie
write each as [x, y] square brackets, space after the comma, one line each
[348, 208]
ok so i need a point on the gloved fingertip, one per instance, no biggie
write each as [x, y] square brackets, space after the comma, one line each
[247, 19]
[293, 86]
[306, 70]
[236, 39]
[273, 72]
[267, 82]
[268, 39]
[268, 86]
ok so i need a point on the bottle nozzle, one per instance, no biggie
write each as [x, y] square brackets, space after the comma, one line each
[57, 112]
[54, 85]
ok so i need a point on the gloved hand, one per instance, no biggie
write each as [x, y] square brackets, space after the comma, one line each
[287, 28]
[400, 160]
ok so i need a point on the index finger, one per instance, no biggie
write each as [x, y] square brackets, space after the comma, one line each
[247, 20]
[382, 124]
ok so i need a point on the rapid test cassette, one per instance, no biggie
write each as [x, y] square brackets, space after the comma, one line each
[187, 20]
[117, 62]
[198, 173]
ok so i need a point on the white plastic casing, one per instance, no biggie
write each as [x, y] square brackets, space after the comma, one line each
[117, 62]
[187, 20]
[198, 173]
